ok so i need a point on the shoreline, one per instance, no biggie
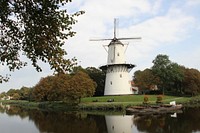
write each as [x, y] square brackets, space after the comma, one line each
[95, 106]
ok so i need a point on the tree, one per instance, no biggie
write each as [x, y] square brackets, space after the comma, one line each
[25, 93]
[36, 29]
[42, 89]
[81, 85]
[170, 73]
[191, 82]
[145, 79]
[176, 75]
[160, 68]
[16, 96]
[99, 77]
[3, 95]
[64, 87]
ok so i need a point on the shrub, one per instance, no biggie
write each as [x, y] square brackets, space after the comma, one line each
[159, 99]
[146, 99]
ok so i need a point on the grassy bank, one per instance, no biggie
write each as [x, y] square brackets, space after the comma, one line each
[121, 102]
[40, 105]
[101, 103]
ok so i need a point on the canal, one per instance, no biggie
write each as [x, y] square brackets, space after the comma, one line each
[18, 120]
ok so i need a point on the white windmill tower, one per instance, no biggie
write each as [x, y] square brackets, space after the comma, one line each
[117, 70]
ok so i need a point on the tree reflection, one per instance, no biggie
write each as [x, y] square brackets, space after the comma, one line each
[60, 122]
[76, 122]
[186, 122]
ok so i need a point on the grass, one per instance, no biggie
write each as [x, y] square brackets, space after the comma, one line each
[120, 102]
[138, 99]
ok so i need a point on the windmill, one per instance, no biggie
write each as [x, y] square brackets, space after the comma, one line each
[117, 70]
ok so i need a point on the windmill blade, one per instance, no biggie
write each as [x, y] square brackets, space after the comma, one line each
[129, 38]
[100, 39]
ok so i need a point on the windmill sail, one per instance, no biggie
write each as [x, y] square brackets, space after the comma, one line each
[115, 38]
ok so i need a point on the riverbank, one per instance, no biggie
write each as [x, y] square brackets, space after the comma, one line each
[105, 103]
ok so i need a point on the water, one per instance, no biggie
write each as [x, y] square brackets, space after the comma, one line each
[18, 120]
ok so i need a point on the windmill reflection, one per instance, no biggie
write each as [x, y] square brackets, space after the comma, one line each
[120, 124]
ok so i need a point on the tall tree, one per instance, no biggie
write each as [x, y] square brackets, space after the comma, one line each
[99, 77]
[170, 73]
[191, 82]
[160, 69]
[36, 29]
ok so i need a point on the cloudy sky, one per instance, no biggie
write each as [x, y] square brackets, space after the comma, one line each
[169, 27]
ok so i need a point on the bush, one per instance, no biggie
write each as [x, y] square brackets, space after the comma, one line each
[146, 99]
[159, 99]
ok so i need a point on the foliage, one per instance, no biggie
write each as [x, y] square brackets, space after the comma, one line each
[159, 99]
[64, 87]
[17, 94]
[81, 85]
[145, 79]
[168, 72]
[35, 29]
[191, 82]
[170, 77]
[146, 99]
[41, 90]
[99, 77]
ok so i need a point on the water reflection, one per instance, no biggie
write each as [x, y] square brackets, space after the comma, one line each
[35, 121]
[120, 124]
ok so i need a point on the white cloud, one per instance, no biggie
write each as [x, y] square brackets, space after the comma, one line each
[193, 3]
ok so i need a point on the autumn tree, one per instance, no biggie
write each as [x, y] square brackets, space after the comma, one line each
[81, 85]
[96, 75]
[42, 89]
[64, 87]
[36, 29]
[145, 79]
[191, 82]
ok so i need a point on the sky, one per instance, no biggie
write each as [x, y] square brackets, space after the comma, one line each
[170, 27]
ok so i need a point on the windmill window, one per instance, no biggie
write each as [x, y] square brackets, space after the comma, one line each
[111, 82]
[120, 75]
[117, 54]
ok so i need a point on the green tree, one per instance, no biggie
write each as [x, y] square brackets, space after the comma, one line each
[99, 77]
[25, 93]
[169, 73]
[160, 68]
[3, 95]
[16, 96]
[11, 92]
[176, 74]
[36, 29]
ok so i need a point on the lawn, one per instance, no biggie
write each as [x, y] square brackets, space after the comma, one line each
[137, 99]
